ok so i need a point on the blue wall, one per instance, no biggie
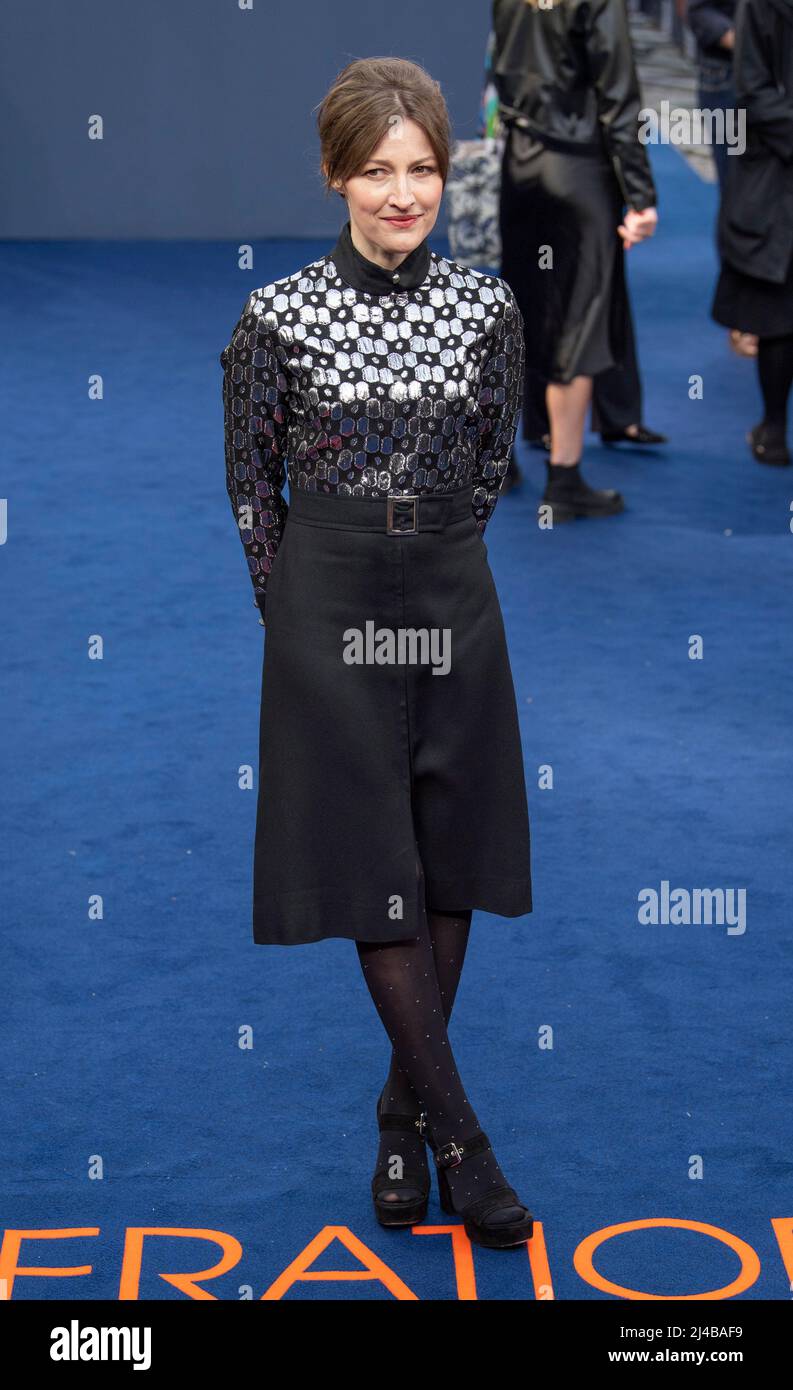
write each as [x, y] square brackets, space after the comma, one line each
[209, 110]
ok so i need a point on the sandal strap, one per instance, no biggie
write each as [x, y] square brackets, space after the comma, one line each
[449, 1155]
[404, 1122]
[481, 1207]
[410, 1178]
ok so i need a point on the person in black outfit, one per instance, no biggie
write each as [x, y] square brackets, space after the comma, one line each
[712, 22]
[569, 98]
[385, 382]
[755, 288]
[617, 394]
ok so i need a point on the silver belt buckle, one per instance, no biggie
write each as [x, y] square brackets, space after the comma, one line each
[400, 530]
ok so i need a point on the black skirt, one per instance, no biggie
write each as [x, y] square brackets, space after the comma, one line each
[390, 766]
[568, 205]
[753, 306]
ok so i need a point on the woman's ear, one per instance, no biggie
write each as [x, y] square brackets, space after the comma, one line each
[335, 185]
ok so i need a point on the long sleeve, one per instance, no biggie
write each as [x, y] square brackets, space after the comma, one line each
[500, 400]
[255, 433]
[708, 23]
[769, 112]
[613, 74]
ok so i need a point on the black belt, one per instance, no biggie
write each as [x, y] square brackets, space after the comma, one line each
[511, 116]
[406, 514]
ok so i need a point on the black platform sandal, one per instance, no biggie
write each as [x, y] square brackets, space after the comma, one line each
[402, 1210]
[495, 1235]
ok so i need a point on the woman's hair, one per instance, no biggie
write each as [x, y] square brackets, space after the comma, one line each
[362, 105]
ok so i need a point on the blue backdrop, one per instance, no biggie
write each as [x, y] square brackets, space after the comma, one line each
[208, 110]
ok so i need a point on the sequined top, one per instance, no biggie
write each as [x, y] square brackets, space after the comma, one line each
[348, 378]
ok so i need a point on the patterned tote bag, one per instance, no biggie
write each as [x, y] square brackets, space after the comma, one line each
[473, 186]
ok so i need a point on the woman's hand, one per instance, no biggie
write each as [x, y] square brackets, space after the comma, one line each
[637, 226]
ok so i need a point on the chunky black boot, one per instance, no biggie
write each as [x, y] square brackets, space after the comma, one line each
[568, 495]
[769, 444]
[402, 1201]
[498, 1218]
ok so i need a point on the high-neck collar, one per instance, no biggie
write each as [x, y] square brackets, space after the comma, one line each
[366, 275]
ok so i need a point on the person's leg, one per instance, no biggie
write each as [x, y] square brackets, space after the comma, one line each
[534, 416]
[567, 494]
[449, 934]
[449, 937]
[402, 979]
[617, 392]
[568, 403]
[718, 97]
[775, 371]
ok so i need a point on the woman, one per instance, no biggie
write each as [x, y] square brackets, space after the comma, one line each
[385, 381]
[569, 98]
[755, 288]
[712, 22]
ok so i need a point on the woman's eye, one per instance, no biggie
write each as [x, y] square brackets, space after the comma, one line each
[420, 169]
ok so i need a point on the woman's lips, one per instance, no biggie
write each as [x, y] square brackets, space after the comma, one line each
[401, 221]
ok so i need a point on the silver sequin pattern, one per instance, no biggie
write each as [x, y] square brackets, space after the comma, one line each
[368, 395]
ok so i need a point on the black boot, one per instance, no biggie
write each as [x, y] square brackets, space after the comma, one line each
[569, 496]
[769, 444]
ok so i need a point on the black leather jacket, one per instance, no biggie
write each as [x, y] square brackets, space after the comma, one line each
[568, 76]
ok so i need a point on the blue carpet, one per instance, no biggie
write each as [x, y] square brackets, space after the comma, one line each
[129, 1101]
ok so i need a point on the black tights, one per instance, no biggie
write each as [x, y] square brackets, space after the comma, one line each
[449, 940]
[413, 984]
[775, 370]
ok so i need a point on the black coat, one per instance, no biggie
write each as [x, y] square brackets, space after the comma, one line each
[756, 215]
[567, 76]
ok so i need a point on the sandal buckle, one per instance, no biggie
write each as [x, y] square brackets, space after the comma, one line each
[449, 1156]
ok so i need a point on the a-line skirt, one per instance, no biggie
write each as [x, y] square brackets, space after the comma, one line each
[754, 306]
[562, 256]
[391, 777]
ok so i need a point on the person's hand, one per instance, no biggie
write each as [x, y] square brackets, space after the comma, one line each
[727, 40]
[637, 226]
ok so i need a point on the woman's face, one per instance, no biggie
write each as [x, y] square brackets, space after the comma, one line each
[394, 201]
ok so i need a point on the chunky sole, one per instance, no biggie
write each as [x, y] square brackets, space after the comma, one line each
[401, 1213]
[506, 1239]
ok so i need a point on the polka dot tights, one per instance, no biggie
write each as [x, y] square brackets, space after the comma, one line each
[413, 985]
